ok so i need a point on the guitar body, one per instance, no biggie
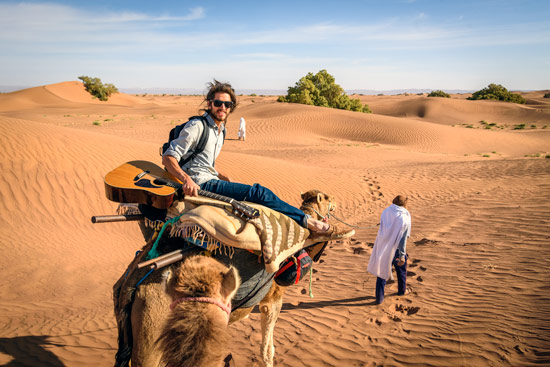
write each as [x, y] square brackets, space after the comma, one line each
[138, 182]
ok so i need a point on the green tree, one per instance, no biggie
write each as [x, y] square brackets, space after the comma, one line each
[321, 90]
[439, 93]
[96, 88]
[497, 92]
[547, 95]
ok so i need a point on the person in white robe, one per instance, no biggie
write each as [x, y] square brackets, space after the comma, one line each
[242, 129]
[390, 247]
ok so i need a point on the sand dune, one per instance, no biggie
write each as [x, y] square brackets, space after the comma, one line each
[478, 198]
[450, 111]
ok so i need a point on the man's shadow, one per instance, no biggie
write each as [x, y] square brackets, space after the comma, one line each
[29, 350]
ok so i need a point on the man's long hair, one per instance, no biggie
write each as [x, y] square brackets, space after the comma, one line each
[219, 87]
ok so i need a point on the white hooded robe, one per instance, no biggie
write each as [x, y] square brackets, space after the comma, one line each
[394, 222]
[242, 129]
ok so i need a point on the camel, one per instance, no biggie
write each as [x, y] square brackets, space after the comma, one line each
[160, 337]
[195, 331]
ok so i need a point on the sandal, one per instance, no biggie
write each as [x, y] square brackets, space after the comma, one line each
[332, 233]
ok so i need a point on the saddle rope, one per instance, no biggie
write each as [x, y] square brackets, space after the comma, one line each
[328, 215]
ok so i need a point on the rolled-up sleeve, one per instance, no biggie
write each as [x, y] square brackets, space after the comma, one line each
[186, 141]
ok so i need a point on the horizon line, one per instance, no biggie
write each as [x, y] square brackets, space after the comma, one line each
[263, 91]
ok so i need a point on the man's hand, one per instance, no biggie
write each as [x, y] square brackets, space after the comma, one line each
[401, 261]
[189, 187]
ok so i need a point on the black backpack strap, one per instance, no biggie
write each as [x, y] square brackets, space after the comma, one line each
[202, 140]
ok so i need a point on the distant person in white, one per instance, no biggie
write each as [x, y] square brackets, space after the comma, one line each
[390, 247]
[242, 129]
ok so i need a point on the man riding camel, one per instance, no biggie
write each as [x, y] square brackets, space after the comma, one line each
[199, 172]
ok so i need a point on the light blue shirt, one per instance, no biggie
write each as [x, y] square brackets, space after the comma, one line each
[402, 246]
[201, 168]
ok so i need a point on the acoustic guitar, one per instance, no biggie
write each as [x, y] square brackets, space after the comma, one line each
[144, 182]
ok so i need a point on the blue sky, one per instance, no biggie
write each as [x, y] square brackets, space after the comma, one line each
[375, 45]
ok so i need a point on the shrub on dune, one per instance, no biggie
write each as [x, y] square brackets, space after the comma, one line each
[96, 88]
[547, 95]
[439, 93]
[497, 92]
[321, 90]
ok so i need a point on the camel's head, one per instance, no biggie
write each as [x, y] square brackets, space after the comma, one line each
[202, 276]
[195, 333]
[317, 204]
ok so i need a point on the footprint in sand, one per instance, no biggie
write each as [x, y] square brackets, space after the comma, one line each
[374, 188]
[392, 316]
[373, 320]
[414, 263]
[358, 250]
[409, 310]
[397, 311]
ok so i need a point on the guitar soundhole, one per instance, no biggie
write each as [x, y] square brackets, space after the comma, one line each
[160, 181]
[146, 184]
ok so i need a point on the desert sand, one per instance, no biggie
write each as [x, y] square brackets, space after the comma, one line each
[479, 198]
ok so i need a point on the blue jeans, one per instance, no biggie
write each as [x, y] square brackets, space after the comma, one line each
[255, 194]
[401, 272]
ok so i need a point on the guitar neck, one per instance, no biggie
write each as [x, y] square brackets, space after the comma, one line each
[244, 209]
[204, 193]
[219, 197]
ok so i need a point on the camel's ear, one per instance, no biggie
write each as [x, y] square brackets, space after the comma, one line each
[302, 195]
[230, 283]
[319, 198]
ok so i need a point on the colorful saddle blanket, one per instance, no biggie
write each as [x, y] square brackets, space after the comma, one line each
[210, 224]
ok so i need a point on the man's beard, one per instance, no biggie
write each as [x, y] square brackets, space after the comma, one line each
[215, 118]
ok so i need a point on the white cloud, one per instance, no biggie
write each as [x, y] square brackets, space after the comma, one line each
[53, 18]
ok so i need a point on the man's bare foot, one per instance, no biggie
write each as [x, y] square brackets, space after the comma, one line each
[315, 225]
[322, 231]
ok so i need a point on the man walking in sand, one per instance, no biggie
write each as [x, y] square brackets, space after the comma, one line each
[390, 247]
[199, 172]
[242, 129]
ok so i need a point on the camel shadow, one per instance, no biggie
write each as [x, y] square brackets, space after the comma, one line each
[348, 302]
[29, 350]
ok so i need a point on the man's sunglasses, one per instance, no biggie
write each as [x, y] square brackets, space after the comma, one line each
[218, 103]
